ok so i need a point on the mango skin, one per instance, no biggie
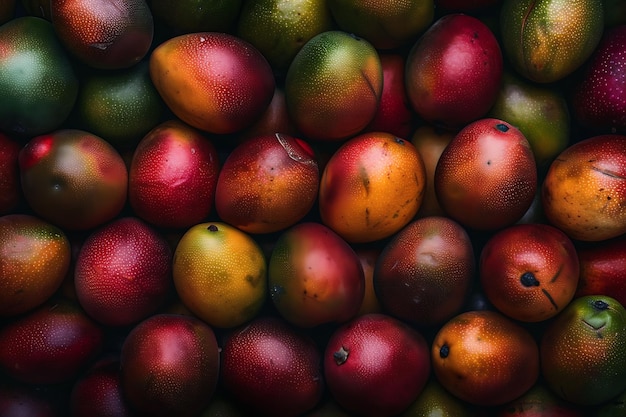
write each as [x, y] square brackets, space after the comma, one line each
[584, 190]
[38, 83]
[453, 71]
[213, 81]
[387, 24]
[314, 276]
[267, 184]
[546, 40]
[333, 86]
[104, 34]
[280, 28]
[72, 178]
[541, 113]
[583, 354]
[371, 187]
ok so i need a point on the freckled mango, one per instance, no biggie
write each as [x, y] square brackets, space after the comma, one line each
[220, 274]
[213, 81]
[371, 187]
[546, 40]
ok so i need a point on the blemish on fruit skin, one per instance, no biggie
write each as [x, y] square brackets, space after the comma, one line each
[341, 356]
[600, 305]
[502, 127]
[528, 279]
[444, 351]
[365, 179]
[212, 228]
[547, 294]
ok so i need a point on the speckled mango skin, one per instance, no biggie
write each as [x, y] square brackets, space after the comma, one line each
[38, 83]
[333, 86]
[386, 24]
[541, 113]
[314, 276]
[219, 273]
[172, 176]
[105, 34]
[34, 259]
[267, 183]
[485, 358]
[453, 71]
[72, 178]
[213, 81]
[538, 249]
[583, 354]
[425, 272]
[584, 191]
[279, 28]
[599, 98]
[371, 187]
[486, 178]
[546, 40]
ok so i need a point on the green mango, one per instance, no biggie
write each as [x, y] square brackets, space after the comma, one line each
[119, 106]
[38, 84]
[547, 40]
[539, 111]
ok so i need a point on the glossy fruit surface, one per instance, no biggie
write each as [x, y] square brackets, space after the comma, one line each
[105, 34]
[34, 260]
[364, 353]
[227, 82]
[38, 83]
[603, 269]
[583, 351]
[314, 276]
[424, 273]
[172, 176]
[279, 28]
[541, 113]
[453, 71]
[485, 358]
[283, 177]
[584, 190]
[219, 273]
[385, 24]
[371, 187]
[486, 177]
[169, 365]
[120, 107]
[529, 271]
[547, 40]
[52, 344]
[333, 86]
[272, 368]
[73, 178]
[123, 272]
[595, 101]
[314, 279]
[394, 114]
[274, 119]
[98, 392]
